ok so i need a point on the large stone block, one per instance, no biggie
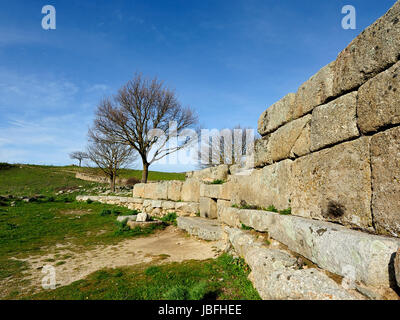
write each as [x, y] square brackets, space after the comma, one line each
[213, 173]
[375, 49]
[203, 228]
[277, 115]
[316, 91]
[210, 190]
[264, 187]
[385, 159]
[187, 207]
[191, 190]
[208, 208]
[228, 215]
[334, 122]
[397, 267]
[334, 184]
[379, 101]
[288, 141]
[138, 190]
[220, 191]
[156, 191]
[358, 255]
[174, 190]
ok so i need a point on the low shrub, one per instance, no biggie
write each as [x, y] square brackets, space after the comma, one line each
[105, 212]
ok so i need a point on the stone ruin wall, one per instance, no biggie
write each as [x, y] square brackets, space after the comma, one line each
[330, 152]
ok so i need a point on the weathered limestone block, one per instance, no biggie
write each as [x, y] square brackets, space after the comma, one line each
[334, 122]
[208, 208]
[156, 191]
[210, 190]
[397, 267]
[272, 267]
[187, 207]
[127, 218]
[379, 101]
[277, 115]
[174, 190]
[284, 143]
[376, 48]
[264, 187]
[210, 174]
[138, 190]
[332, 247]
[191, 190]
[385, 159]
[205, 229]
[156, 203]
[316, 91]
[229, 216]
[334, 184]
[262, 155]
[142, 217]
[223, 203]
[309, 284]
[216, 191]
[168, 205]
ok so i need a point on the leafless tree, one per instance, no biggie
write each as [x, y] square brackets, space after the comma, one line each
[78, 155]
[228, 146]
[109, 155]
[140, 116]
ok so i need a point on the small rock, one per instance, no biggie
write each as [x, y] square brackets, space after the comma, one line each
[142, 217]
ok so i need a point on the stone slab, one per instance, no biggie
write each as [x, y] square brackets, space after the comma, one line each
[205, 229]
[332, 247]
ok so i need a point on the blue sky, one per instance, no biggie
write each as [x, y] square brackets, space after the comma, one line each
[229, 60]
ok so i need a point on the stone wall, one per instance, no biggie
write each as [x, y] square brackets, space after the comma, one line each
[331, 151]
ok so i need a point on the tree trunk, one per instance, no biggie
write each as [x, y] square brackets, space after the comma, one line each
[145, 172]
[80, 162]
[112, 183]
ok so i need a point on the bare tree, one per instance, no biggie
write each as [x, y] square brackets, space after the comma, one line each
[78, 155]
[109, 155]
[140, 116]
[228, 146]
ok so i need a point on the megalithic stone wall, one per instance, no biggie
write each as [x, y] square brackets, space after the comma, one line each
[331, 151]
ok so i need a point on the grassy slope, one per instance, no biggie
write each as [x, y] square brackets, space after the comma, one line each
[30, 228]
[28, 180]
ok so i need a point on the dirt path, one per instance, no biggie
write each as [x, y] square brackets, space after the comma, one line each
[169, 245]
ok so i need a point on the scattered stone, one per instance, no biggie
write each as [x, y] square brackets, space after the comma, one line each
[142, 217]
[128, 218]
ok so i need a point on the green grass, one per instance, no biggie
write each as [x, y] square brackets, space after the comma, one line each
[31, 228]
[29, 180]
[129, 173]
[224, 278]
